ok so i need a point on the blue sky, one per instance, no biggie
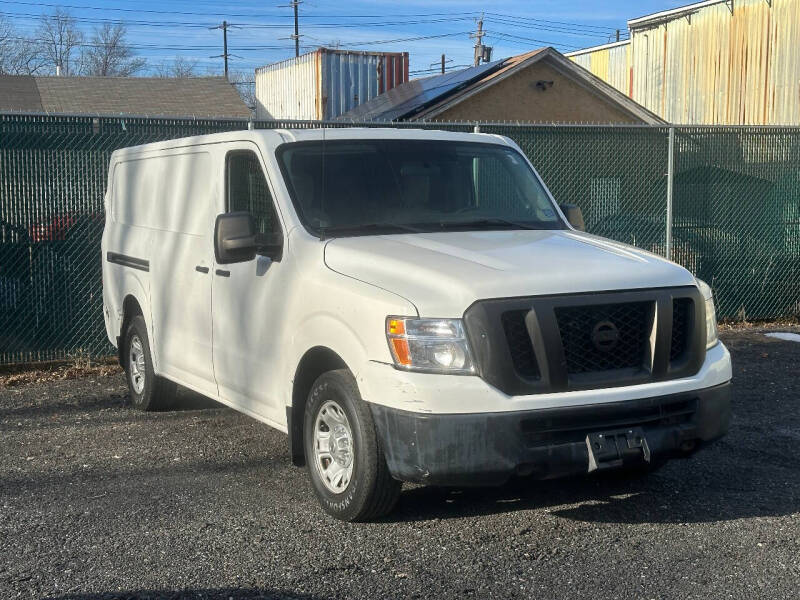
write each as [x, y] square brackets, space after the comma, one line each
[160, 30]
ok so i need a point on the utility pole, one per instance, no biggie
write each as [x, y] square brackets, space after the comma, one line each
[225, 45]
[443, 62]
[296, 37]
[478, 37]
[224, 54]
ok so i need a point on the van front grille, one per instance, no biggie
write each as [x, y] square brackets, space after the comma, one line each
[519, 344]
[544, 344]
[605, 337]
[681, 311]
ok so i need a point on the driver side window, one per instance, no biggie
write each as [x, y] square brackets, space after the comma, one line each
[247, 190]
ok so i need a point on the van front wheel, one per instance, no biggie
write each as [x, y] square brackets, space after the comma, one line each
[345, 462]
[148, 391]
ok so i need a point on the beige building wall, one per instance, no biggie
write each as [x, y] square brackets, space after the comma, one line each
[611, 63]
[723, 63]
[517, 98]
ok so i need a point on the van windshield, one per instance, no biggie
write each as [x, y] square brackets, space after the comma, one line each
[366, 187]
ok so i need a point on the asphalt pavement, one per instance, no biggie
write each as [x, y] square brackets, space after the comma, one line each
[100, 501]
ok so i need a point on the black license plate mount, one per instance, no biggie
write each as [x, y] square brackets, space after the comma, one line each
[615, 449]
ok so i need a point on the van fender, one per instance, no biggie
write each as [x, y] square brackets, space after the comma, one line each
[131, 284]
[323, 342]
[326, 330]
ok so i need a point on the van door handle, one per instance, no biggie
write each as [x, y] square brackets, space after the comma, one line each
[223, 273]
[201, 269]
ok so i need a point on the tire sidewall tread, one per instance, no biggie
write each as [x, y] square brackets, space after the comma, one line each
[371, 492]
[158, 393]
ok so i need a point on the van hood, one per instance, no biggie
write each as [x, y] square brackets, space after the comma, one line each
[442, 274]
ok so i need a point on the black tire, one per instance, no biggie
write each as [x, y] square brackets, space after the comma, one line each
[371, 492]
[157, 393]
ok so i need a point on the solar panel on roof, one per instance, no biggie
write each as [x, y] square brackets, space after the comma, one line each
[413, 96]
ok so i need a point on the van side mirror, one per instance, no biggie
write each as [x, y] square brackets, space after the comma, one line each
[574, 215]
[235, 238]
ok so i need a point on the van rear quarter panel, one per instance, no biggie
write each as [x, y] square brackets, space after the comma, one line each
[127, 239]
[161, 207]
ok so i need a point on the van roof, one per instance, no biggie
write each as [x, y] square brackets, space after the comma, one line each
[275, 137]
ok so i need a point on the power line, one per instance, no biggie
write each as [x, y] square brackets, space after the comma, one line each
[437, 69]
[254, 47]
[202, 48]
[575, 32]
[249, 25]
[533, 19]
[226, 14]
[515, 38]
[266, 21]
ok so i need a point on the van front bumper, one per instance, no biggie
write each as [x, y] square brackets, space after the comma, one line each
[489, 448]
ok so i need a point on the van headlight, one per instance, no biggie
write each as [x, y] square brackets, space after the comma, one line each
[712, 333]
[429, 345]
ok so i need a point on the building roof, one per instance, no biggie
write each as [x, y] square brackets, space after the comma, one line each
[428, 97]
[670, 14]
[591, 49]
[408, 98]
[141, 96]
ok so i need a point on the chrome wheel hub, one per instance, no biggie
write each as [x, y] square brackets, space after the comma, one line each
[136, 366]
[333, 447]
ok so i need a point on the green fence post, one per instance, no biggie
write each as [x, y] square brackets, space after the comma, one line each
[670, 182]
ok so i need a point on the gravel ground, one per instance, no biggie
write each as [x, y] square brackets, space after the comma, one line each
[99, 501]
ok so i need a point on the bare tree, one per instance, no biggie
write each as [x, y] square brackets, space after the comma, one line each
[244, 84]
[179, 67]
[59, 40]
[18, 56]
[108, 53]
[7, 42]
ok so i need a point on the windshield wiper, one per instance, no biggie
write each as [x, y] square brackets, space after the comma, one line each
[326, 232]
[486, 222]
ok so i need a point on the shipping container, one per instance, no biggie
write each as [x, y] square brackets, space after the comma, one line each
[715, 63]
[326, 83]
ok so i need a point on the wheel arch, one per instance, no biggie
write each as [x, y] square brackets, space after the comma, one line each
[315, 362]
[131, 307]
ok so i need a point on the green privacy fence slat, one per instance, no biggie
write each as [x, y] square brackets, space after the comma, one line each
[736, 210]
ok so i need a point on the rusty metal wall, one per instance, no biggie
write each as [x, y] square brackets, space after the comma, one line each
[722, 63]
[326, 83]
[352, 78]
[610, 62]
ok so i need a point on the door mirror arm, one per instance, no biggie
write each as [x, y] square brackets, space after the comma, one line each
[574, 215]
[269, 245]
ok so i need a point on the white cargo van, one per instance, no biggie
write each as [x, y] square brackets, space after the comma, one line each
[405, 305]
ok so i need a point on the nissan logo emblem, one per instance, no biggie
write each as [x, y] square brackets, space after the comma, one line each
[605, 335]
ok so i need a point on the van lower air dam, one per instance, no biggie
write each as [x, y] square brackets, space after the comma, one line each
[405, 305]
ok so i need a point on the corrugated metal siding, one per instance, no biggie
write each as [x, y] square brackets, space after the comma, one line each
[288, 89]
[326, 83]
[612, 65]
[712, 66]
[350, 79]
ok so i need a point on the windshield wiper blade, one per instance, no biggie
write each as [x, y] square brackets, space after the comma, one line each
[486, 222]
[326, 232]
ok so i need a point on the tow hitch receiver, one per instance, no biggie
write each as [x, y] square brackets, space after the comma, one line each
[613, 449]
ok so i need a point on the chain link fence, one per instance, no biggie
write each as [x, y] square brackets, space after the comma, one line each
[735, 217]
